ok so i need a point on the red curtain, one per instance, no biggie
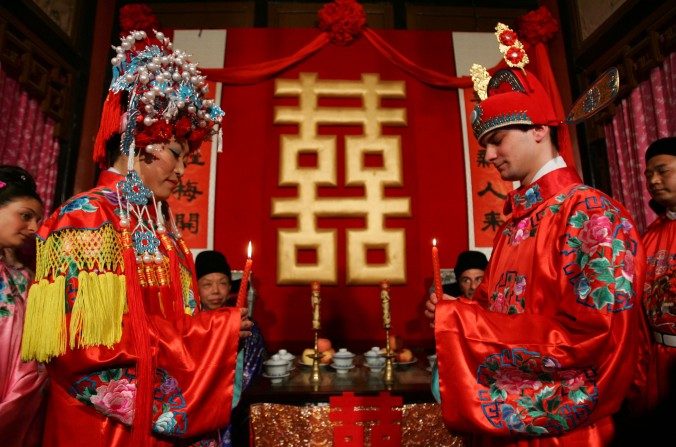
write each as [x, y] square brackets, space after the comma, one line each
[27, 137]
[649, 113]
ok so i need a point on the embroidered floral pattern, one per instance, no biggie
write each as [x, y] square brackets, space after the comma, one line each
[116, 399]
[528, 393]
[528, 199]
[78, 204]
[660, 294]
[168, 401]
[522, 229]
[13, 285]
[522, 232]
[6, 298]
[112, 392]
[601, 264]
[510, 294]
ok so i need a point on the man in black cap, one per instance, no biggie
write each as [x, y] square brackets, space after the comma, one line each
[469, 271]
[659, 241]
[214, 279]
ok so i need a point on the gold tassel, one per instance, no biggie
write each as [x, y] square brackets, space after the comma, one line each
[44, 332]
[96, 318]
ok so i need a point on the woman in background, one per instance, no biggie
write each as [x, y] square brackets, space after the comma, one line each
[21, 383]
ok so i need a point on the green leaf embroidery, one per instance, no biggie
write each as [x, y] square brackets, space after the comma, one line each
[560, 419]
[541, 396]
[536, 430]
[602, 297]
[497, 393]
[603, 270]
[574, 242]
[553, 404]
[578, 220]
[618, 247]
[622, 284]
[578, 396]
[527, 403]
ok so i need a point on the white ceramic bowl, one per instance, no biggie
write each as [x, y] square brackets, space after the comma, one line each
[276, 367]
[343, 358]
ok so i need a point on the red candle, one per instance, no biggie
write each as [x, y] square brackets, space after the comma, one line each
[438, 290]
[244, 284]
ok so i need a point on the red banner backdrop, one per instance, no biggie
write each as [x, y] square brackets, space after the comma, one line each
[190, 200]
[432, 180]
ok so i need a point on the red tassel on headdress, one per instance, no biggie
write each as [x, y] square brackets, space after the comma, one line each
[111, 116]
[143, 416]
[175, 285]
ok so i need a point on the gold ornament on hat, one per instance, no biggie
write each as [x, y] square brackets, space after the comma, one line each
[480, 78]
[510, 46]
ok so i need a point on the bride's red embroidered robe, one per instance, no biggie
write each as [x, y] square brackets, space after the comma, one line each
[78, 320]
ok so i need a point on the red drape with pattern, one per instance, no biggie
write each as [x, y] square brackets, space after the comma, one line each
[27, 137]
[647, 114]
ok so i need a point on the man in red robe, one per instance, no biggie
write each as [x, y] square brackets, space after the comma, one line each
[660, 286]
[544, 354]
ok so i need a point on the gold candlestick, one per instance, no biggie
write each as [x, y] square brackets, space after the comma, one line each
[315, 377]
[387, 323]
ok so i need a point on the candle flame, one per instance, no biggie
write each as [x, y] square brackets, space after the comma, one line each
[434, 242]
[249, 250]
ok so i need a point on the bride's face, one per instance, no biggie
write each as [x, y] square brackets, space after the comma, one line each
[160, 169]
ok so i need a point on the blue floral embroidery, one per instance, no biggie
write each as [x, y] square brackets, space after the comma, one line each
[526, 392]
[529, 199]
[168, 400]
[78, 204]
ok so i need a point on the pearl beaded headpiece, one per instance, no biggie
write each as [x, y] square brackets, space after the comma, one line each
[164, 97]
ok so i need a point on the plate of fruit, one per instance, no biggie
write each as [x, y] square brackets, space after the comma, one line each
[325, 348]
[402, 355]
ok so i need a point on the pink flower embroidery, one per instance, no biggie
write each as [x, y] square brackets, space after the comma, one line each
[572, 379]
[500, 303]
[520, 285]
[513, 381]
[521, 233]
[116, 399]
[628, 269]
[597, 231]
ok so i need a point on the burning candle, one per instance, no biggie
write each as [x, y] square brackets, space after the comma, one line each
[244, 284]
[438, 290]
